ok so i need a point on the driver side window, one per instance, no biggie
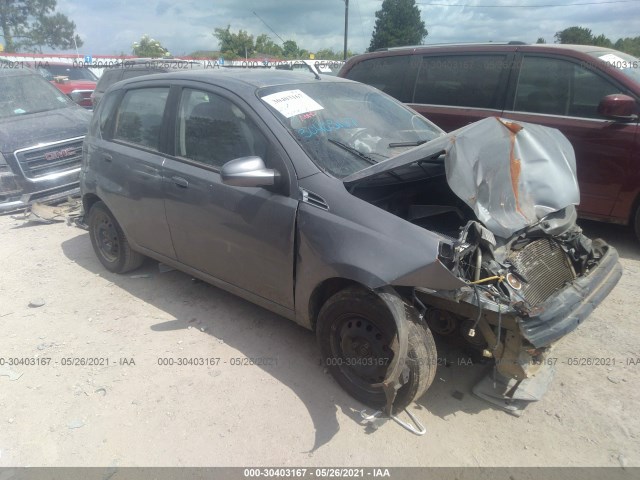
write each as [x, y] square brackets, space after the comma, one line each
[212, 130]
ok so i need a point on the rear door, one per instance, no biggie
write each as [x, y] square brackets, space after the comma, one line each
[454, 90]
[128, 166]
[242, 236]
[564, 93]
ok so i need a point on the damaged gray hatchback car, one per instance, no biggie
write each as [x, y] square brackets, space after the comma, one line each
[332, 204]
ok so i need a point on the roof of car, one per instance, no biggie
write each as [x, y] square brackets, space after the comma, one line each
[16, 72]
[257, 78]
[475, 47]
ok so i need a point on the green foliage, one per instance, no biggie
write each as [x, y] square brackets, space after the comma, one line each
[629, 45]
[210, 54]
[541, 40]
[398, 23]
[234, 45]
[266, 46]
[148, 47]
[33, 24]
[290, 49]
[583, 36]
[575, 36]
[330, 54]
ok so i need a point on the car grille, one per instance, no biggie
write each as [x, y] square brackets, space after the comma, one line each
[50, 159]
[545, 267]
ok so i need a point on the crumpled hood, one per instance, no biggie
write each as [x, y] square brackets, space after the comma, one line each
[23, 131]
[511, 174]
[69, 86]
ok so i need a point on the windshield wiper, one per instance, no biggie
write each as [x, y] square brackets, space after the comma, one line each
[355, 151]
[407, 144]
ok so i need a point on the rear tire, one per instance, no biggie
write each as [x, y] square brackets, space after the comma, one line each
[109, 241]
[355, 329]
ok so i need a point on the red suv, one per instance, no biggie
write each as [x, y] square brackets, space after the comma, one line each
[591, 94]
[75, 82]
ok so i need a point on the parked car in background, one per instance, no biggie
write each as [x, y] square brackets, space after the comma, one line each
[138, 67]
[41, 133]
[334, 205]
[591, 94]
[78, 83]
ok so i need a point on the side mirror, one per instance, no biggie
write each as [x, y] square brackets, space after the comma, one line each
[618, 107]
[248, 172]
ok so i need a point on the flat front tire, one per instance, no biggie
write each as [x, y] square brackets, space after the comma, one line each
[356, 333]
[109, 241]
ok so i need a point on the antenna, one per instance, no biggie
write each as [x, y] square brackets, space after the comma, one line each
[269, 27]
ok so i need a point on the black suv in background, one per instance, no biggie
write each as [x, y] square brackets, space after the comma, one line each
[591, 94]
[138, 67]
[41, 133]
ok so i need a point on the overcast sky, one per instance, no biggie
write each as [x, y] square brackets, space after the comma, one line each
[111, 26]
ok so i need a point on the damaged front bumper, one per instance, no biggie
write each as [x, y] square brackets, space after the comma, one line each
[518, 336]
[563, 312]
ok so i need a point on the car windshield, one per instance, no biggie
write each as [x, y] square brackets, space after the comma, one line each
[70, 71]
[25, 94]
[345, 127]
[627, 64]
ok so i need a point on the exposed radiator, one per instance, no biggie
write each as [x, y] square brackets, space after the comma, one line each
[545, 266]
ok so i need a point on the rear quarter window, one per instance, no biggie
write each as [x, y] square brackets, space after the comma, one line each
[384, 73]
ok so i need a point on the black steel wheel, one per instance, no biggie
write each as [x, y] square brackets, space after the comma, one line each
[357, 337]
[109, 242]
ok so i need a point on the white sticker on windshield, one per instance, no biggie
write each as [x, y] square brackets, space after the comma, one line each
[292, 102]
[615, 60]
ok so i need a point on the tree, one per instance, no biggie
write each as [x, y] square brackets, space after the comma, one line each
[541, 40]
[266, 46]
[629, 45]
[290, 49]
[148, 47]
[234, 45]
[398, 23]
[575, 35]
[32, 24]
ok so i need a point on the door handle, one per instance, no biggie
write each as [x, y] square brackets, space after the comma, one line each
[107, 157]
[181, 182]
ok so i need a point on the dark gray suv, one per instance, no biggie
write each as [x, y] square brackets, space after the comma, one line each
[332, 204]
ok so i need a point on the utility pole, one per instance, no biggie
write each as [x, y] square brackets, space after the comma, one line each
[346, 28]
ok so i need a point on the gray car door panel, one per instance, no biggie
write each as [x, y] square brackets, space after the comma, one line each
[226, 231]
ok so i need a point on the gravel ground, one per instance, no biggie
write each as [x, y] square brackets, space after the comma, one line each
[135, 411]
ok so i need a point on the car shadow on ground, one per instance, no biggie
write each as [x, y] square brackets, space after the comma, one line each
[256, 332]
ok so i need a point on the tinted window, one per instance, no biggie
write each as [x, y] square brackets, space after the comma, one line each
[129, 73]
[558, 87]
[108, 78]
[460, 80]
[140, 116]
[384, 73]
[212, 130]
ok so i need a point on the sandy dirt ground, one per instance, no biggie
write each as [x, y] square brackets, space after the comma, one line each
[135, 411]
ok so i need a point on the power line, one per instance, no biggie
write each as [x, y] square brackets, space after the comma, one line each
[523, 6]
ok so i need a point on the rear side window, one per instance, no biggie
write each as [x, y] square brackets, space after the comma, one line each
[385, 73]
[129, 73]
[558, 87]
[108, 78]
[461, 80]
[139, 117]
